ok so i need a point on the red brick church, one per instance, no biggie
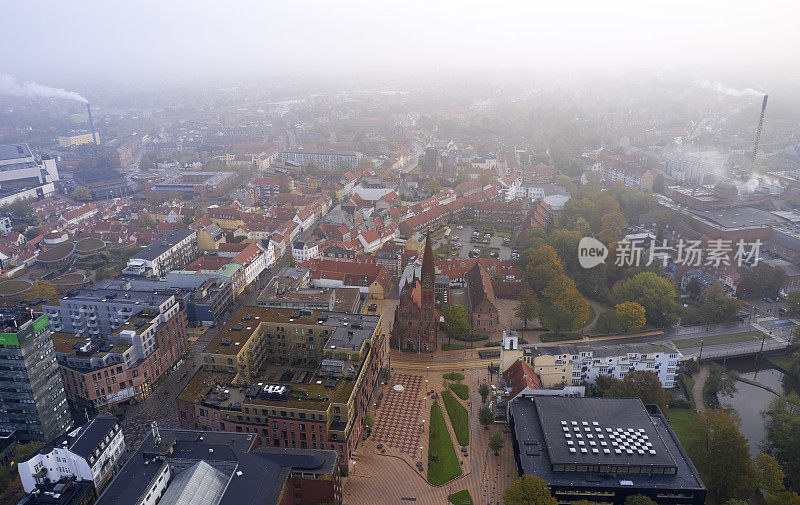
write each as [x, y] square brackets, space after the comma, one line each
[416, 318]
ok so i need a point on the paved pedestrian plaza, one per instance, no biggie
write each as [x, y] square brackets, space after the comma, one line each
[398, 425]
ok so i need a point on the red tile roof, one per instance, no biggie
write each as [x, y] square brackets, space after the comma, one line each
[520, 376]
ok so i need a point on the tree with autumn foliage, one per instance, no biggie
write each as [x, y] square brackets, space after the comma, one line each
[629, 316]
[528, 490]
[653, 292]
[642, 384]
[721, 454]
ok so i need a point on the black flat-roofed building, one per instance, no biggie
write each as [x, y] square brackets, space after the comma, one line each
[175, 467]
[602, 450]
[66, 491]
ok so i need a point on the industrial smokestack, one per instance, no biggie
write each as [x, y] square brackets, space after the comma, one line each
[91, 123]
[758, 131]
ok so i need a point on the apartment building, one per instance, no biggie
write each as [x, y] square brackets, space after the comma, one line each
[33, 404]
[90, 452]
[573, 364]
[125, 363]
[101, 310]
[78, 139]
[294, 379]
[172, 251]
[304, 251]
[266, 187]
[329, 160]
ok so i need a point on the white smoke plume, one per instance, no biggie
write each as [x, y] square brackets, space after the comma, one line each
[747, 187]
[725, 90]
[754, 182]
[10, 86]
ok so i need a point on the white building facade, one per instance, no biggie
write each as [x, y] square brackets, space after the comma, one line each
[304, 251]
[90, 452]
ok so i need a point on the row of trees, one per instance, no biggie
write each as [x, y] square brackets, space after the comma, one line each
[561, 306]
[782, 419]
[722, 456]
[715, 306]
[761, 280]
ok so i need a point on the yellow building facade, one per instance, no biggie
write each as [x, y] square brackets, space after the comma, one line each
[78, 140]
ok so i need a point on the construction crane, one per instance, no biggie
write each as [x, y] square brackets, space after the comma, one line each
[758, 131]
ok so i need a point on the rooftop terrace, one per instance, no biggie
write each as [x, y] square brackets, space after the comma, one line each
[312, 396]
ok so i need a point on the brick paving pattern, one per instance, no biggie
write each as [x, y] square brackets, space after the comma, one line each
[399, 424]
[389, 478]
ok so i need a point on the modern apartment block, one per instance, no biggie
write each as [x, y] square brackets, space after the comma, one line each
[32, 399]
[98, 312]
[205, 299]
[329, 160]
[294, 379]
[572, 364]
[123, 363]
[89, 452]
[170, 252]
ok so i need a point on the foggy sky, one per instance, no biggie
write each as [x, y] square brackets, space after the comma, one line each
[62, 43]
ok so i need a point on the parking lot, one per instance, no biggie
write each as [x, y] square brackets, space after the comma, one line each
[774, 307]
[494, 248]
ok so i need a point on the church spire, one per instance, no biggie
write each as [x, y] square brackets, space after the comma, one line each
[428, 271]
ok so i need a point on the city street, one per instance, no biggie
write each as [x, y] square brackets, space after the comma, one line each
[160, 405]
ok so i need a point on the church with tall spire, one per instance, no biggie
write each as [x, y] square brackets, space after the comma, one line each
[416, 319]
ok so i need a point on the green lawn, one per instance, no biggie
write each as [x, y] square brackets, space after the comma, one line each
[461, 390]
[461, 498]
[557, 337]
[444, 465]
[455, 347]
[782, 362]
[688, 387]
[728, 338]
[458, 417]
[454, 376]
[680, 420]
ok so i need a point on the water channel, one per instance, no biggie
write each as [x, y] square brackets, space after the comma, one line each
[749, 401]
